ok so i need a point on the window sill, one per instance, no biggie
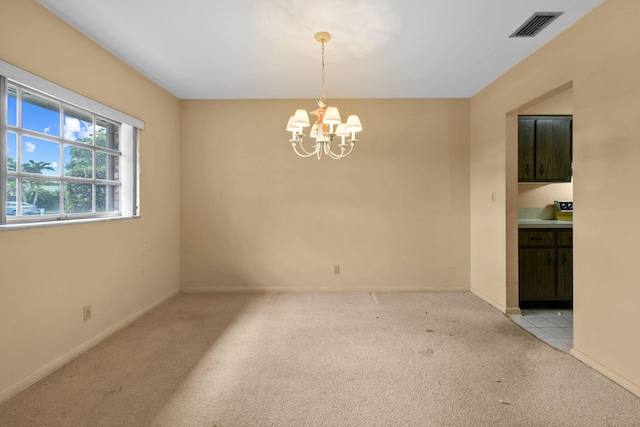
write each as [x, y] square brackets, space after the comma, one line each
[23, 225]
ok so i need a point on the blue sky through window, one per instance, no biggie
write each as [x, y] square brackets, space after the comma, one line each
[12, 139]
[40, 150]
[51, 145]
[12, 111]
[78, 126]
[42, 115]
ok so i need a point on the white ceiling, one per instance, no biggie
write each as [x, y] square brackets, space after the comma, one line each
[226, 49]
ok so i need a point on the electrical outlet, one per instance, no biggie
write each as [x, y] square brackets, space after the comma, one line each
[336, 269]
[86, 313]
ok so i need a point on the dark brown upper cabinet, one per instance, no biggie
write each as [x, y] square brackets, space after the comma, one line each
[544, 148]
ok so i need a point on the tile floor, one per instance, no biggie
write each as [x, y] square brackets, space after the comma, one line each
[553, 326]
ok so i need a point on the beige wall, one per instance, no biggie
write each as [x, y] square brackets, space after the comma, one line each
[120, 267]
[600, 58]
[394, 215]
[561, 103]
[416, 207]
[543, 194]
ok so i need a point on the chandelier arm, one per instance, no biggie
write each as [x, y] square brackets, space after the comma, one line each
[338, 156]
[334, 155]
[345, 154]
[304, 150]
[306, 153]
[327, 147]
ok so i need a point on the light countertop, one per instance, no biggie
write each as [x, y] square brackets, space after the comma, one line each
[544, 223]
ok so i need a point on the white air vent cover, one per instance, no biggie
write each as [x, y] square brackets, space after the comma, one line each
[535, 24]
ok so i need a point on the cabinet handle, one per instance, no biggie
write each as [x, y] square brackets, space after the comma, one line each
[564, 259]
[527, 169]
[541, 169]
[549, 259]
[535, 238]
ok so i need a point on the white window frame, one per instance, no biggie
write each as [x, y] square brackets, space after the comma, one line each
[129, 179]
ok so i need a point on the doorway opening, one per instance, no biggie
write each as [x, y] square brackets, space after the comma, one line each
[532, 214]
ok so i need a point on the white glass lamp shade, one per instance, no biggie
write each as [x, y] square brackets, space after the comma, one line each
[291, 127]
[331, 116]
[341, 130]
[301, 118]
[314, 131]
[353, 124]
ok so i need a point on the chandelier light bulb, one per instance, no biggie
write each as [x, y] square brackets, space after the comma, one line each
[314, 131]
[291, 127]
[331, 116]
[301, 118]
[341, 130]
[353, 124]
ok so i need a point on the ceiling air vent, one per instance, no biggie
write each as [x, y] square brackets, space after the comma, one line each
[535, 24]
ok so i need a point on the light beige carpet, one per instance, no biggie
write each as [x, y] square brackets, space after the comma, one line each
[324, 359]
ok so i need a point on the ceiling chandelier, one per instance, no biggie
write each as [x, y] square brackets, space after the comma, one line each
[328, 124]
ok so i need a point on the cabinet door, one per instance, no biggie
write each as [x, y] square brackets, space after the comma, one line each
[537, 271]
[526, 149]
[565, 238]
[553, 149]
[565, 274]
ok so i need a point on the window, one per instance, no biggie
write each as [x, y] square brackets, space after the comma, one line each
[63, 156]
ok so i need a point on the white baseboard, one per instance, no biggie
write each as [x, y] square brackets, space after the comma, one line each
[633, 388]
[269, 289]
[494, 303]
[513, 312]
[55, 364]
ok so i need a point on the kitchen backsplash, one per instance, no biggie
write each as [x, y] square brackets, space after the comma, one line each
[533, 195]
[536, 213]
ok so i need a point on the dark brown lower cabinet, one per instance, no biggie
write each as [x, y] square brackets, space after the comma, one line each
[545, 267]
[565, 274]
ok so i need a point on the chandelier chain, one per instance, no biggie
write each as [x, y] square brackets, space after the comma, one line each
[323, 98]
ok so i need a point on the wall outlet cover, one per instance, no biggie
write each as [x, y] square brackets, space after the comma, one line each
[86, 313]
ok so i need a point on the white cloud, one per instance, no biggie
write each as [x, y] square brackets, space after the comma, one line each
[74, 129]
[54, 165]
[30, 147]
[47, 130]
[71, 127]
